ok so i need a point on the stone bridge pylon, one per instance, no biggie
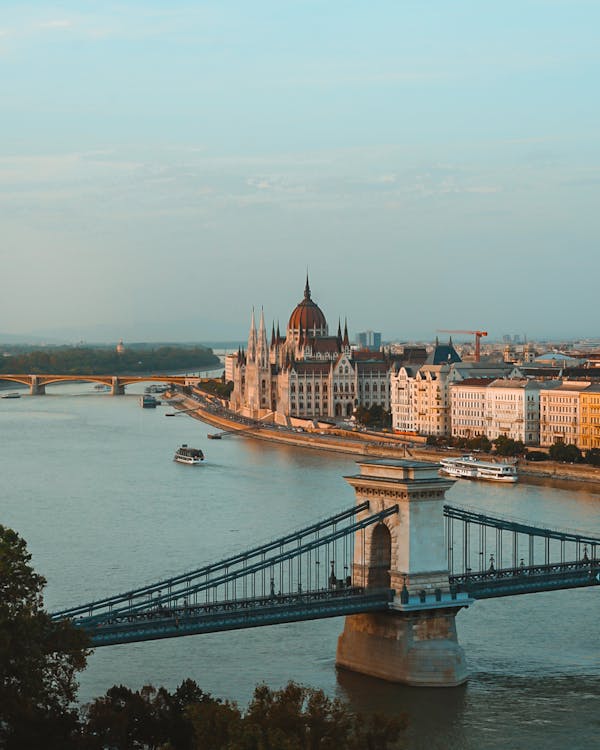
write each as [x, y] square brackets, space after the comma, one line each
[415, 642]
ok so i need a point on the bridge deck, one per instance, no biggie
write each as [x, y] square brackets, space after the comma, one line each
[233, 615]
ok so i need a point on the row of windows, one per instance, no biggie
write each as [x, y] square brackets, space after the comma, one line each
[309, 388]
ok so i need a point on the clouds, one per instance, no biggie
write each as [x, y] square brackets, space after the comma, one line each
[399, 153]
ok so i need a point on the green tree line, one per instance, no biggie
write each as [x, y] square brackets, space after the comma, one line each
[91, 361]
[40, 659]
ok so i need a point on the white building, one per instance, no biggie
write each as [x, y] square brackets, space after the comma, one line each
[468, 407]
[513, 409]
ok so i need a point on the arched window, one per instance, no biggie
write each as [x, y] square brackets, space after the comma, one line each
[335, 387]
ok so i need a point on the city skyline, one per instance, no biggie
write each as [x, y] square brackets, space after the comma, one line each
[164, 170]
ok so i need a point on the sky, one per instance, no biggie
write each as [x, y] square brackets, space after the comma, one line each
[165, 167]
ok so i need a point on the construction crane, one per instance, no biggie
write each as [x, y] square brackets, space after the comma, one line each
[477, 334]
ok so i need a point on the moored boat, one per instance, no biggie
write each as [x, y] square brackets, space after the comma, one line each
[12, 395]
[469, 467]
[187, 455]
[148, 402]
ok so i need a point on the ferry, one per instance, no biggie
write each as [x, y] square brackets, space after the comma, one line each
[12, 395]
[186, 455]
[149, 402]
[469, 467]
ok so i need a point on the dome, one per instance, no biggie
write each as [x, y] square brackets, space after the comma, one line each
[308, 315]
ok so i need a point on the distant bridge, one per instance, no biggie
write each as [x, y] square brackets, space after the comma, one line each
[37, 383]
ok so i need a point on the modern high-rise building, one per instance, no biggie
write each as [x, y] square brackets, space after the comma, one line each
[369, 340]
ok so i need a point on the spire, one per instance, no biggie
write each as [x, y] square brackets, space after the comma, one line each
[273, 335]
[346, 341]
[307, 288]
[339, 333]
[261, 346]
[252, 339]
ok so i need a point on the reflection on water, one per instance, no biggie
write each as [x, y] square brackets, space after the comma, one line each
[91, 485]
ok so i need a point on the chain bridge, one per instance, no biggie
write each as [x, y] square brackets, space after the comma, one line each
[399, 565]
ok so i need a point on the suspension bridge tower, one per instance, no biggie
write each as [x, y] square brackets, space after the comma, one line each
[415, 642]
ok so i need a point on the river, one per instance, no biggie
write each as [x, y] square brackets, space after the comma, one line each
[87, 479]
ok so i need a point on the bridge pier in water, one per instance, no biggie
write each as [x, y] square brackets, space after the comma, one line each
[36, 388]
[116, 389]
[415, 642]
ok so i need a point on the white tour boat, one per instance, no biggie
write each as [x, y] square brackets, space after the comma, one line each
[469, 467]
[186, 455]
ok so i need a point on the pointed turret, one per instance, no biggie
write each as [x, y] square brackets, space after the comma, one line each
[273, 335]
[251, 355]
[346, 341]
[262, 352]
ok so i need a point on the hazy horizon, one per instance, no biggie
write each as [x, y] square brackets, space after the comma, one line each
[164, 169]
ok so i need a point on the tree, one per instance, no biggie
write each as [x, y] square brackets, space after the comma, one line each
[593, 457]
[566, 453]
[506, 446]
[297, 717]
[39, 658]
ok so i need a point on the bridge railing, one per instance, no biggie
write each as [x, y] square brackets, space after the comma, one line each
[479, 543]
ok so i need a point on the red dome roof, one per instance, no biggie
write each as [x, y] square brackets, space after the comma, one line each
[308, 315]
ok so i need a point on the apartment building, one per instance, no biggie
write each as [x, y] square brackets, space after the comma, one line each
[589, 418]
[513, 409]
[560, 413]
[468, 402]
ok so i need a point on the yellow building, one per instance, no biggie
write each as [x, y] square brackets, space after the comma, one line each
[589, 418]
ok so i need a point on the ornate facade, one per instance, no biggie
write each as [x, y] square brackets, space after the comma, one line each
[307, 373]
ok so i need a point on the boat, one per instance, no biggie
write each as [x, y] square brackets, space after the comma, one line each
[213, 436]
[469, 467]
[187, 455]
[101, 387]
[149, 402]
[12, 395]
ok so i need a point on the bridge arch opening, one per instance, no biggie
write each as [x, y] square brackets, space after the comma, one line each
[380, 559]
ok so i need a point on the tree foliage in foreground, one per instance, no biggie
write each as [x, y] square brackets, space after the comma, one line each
[293, 718]
[39, 660]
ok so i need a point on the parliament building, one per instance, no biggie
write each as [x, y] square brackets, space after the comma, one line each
[307, 373]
